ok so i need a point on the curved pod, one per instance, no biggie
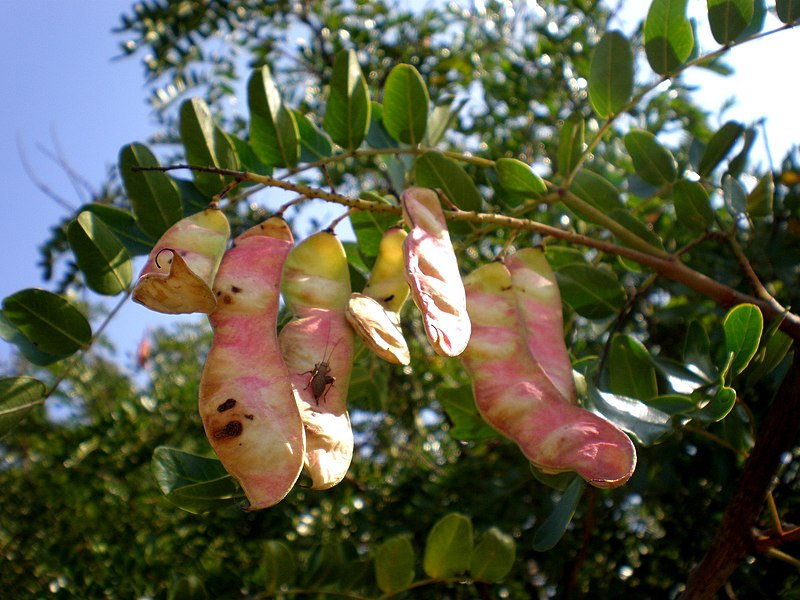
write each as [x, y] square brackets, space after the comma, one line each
[246, 399]
[180, 269]
[317, 347]
[432, 273]
[515, 396]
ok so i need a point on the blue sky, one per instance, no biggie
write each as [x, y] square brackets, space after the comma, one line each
[62, 91]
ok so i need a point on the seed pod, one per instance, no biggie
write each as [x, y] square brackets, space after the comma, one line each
[375, 314]
[180, 270]
[515, 396]
[317, 347]
[432, 273]
[246, 398]
[539, 306]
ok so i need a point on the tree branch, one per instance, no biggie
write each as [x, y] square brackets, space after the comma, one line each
[734, 538]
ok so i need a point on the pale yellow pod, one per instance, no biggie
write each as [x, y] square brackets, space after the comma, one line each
[379, 328]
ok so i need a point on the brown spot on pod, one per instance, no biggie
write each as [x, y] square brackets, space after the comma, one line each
[226, 299]
[235, 289]
[227, 405]
[231, 430]
[249, 417]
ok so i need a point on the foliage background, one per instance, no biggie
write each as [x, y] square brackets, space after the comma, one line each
[82, 516]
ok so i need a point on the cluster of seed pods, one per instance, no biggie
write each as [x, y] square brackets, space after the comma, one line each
[273, 404]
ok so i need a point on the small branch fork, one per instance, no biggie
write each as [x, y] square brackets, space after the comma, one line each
[664, 264]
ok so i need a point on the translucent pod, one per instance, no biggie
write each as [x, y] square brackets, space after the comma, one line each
[432, 273]
[539, 305]
[518, 399]
[180, 269]
[375, 313]
[317, 347]
[246, 398]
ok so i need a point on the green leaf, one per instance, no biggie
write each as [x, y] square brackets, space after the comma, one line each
[597, 191]
[193, 483]
[561, 256]
[570, 143]
[729, 18]
[590, 291]
[18, 397]
[630, 368]
[735, 195]
[759, 201]
[611, 74]
[207, 145]
[757, 22]
[517, 177]
[557, 481]
[101, 257]
[637, 227]
[448, 547]
[377, 136]
[11, 334]
[123, 225]
[692, 205]
[737, 163]
[719, 146]
[652, 162]
[681, 377]
[467, 424]
[771, 353]
[189, 587]
[152, 194]
[668, 35]
[439, 121]
[554, 526]
[641, 420]
[279, 566]
[434, 170]
[273, 130]
[717, 407]
[743, 326]
[394, 564]
[369, 227]
[347, 113]
[405, 105]
[50, 322]
[788, 10]
[697, 351]
[672, 404]
[314, 143]
[493, 557]
[248, 161]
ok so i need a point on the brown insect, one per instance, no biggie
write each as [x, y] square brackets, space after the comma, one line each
[320, 382]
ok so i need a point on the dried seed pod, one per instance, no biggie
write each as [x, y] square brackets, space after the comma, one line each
[539, 305]
[246, 398]
[180, 270]
[432, 273]
[375, 314]
[515, 396]
[317, 347]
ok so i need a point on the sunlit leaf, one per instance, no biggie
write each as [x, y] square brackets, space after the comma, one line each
[597, 191]
[18, 397]
[668, 35]
[644, 422]
[652, 161]
[759, 201]
[152, 194]
[729, 18]
[405, 105]
[570, 143]
[518, 178]
[735, 194]
[590, 291]
[124, 227]
[49, 321]
[101, 257]
[12, 335]
[314, 143]
[611, 75]
[434, 170]
[347, 113]
[448, 547]
[719, 146]
[207, 145]
[743, 326]
[273, 130]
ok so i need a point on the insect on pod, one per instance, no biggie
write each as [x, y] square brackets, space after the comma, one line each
[246, 399]
[375, 313]
[317, 346]
[432, 273]
[518, 399]
[180, 270]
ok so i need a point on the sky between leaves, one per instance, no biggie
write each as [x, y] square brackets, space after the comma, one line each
[65, 98]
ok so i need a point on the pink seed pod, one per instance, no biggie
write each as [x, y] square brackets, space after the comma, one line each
[317, 347]
[515, 396]
[375, 314]
[180, 270]
[539, 305]
[432, 273]
[246, 401]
